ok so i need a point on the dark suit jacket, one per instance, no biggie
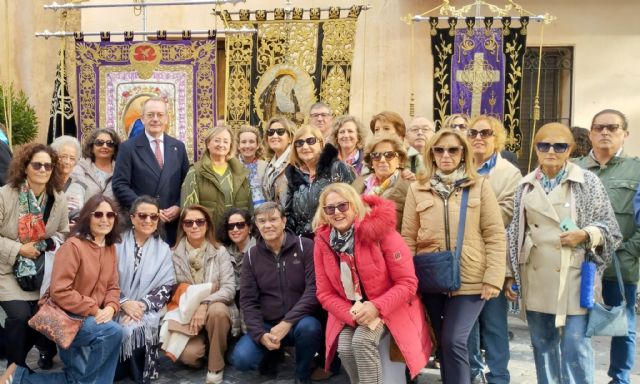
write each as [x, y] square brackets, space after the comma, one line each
[137, 173]
[5, 159]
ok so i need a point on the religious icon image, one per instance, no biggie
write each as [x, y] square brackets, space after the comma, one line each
[131, 98]
[284, 90]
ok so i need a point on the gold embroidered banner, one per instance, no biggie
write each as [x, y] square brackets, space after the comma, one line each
[290, 64]
[115, 78]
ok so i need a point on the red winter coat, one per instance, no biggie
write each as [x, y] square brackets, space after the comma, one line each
[386, 271]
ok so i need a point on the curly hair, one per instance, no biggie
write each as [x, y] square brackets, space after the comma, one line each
[87, 148]
[17, 173]
[360, 130]
[223, 234]
[583, 143]
[82, 227]
[499, 133]
[390, 138]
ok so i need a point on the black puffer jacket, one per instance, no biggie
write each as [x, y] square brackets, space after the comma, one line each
[303, 196]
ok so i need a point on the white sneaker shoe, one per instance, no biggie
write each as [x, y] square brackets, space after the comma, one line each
[214, 378]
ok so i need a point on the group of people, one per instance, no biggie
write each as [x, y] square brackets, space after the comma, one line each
[312, 246]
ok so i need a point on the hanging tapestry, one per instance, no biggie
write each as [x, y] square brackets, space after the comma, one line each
[116, 78]
[61, 117]
[288, 65]
[479, 71]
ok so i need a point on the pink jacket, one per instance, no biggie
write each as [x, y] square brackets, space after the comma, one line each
[386, 271]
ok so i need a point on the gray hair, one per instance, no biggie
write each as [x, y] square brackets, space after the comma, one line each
[320, 104]
[65, 140]
[268, 207]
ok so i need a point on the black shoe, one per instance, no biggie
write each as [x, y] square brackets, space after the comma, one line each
[269, 365]
[303, 381]
[45, 361]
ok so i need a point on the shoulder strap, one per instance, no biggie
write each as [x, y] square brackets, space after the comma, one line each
[47, 208]
[463, 219]
[616, 266]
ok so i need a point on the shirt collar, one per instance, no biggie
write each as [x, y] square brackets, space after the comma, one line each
[151, 138]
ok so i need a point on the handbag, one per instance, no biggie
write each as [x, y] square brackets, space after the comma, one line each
[606, 320]
[439, 272]
[56, 324]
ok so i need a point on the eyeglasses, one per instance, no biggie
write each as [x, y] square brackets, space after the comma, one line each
[453, 151]
[459, 126]
[388, 155]
[151, 115]
[67, 158]
[324, 115]
[613, 128]
[99, 214]
[273, 131]
[189, 223]
[239, 225]
[420, 130]
[557, 147]
[331, 209]
[484, 133]
[36, 165]
[144, 216]
[108, 143]
[309, 140]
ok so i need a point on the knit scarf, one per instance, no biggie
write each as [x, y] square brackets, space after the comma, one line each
[373, 186]
[445, 184]
[31, 226]
[342, 245]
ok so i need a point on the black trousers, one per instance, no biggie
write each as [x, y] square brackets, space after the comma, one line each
[133, 367]
[19, 335]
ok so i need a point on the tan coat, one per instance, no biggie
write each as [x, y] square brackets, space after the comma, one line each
[57, 224]
[504, 179]
[484, 246]
[396, 193]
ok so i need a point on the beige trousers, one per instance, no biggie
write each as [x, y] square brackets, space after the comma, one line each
[216, 328]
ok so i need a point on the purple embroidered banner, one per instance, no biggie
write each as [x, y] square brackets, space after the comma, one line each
[115, 78]
[477, 73]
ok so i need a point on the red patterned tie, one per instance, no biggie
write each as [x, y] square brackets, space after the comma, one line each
[159, 154]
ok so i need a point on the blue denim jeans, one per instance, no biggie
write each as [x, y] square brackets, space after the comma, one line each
[562, 355]
[493, 329]
[306, 336]
[91, 358]
[623, 348]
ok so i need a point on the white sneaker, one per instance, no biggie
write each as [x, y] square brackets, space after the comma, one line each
[214, 378]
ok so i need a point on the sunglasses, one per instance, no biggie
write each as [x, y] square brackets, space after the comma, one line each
[484, 133]
[273, 131]
[309, 140]
[36, 165]
[99, 215]
[459, 126]
[557, 147]
[388, 155]
[145, 216]
[331, 209]
[601, 127]
[101, 143]
[453, 151]
[189, 223]
[238, 225]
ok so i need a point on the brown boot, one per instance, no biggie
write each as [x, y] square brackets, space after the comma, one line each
[7, 377]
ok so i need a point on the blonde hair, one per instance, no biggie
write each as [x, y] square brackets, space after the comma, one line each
[348, 193]
[499, 132]
[215, 131]
[255, 131]
[302, 131]
[446, 124]
[390, 138]
[429, 160]
[361, 131]
[289, 128]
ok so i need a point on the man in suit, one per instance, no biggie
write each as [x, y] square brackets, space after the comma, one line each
[153, 164]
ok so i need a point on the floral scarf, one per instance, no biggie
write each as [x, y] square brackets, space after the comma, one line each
[374, 187]
[548, 184]
[342, 245]
[354, 160]
[445, 184]
[275, 167]
[31, 226]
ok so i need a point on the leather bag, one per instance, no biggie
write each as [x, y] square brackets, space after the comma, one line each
[56, 324]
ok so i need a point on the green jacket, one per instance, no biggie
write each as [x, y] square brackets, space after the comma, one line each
[200, 186]
[620, 177]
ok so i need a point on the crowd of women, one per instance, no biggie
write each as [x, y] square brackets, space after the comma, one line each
[371, 202]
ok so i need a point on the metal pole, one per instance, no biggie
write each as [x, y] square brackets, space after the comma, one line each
[55, 6]
[480, 18]
[47, 34]
[363, 7]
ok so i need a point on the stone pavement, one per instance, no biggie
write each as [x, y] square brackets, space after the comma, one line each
[521, 366]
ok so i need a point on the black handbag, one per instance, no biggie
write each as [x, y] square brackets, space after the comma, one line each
[439, 272]
[605, 320]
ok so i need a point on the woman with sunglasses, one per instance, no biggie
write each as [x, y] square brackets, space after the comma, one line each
[250, 155]
[236, 233]
[202, 263]
[95, 169]
[430, 224]
[365, 279]
[456, 121]
[33, 212]
[84, 283]
[349, 135]
[146, 278]
[560, 210]
[218, 180]
[312, 166]
[68, 150]
[278, 140]
[487, 137]
[384, 154]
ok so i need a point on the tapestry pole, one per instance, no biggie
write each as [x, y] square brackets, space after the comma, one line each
[55, 6]
[61, 34]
